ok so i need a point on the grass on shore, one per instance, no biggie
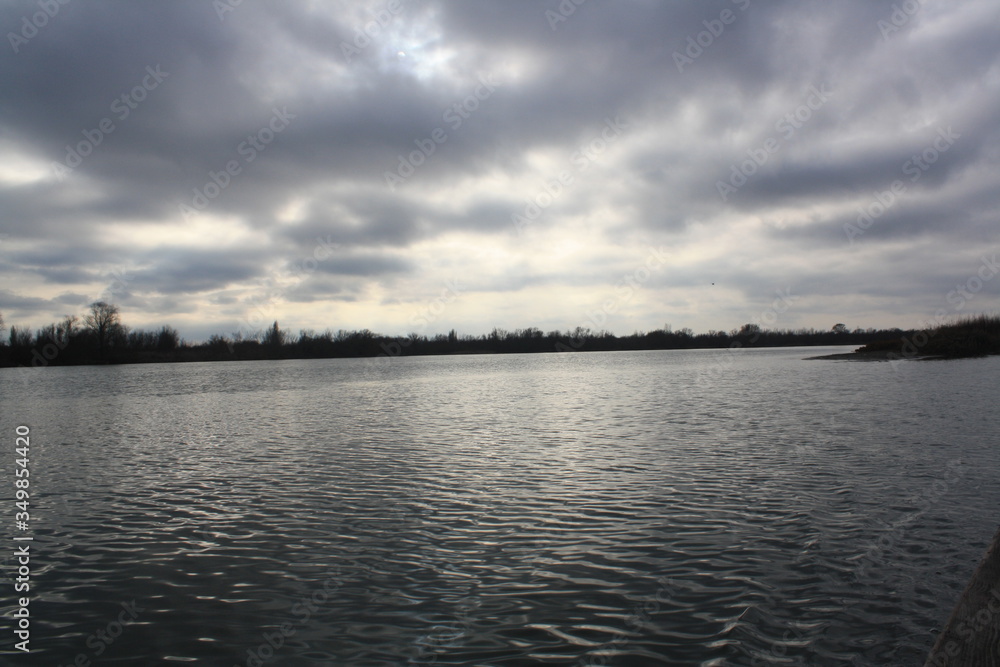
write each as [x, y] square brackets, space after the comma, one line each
[973, 336]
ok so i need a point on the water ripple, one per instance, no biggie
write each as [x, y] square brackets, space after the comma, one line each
[565, 509]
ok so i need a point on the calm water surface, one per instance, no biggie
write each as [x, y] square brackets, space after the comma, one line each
[670, 508]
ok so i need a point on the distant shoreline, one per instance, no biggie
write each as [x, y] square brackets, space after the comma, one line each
[858, 355]
[180, 357]
[853, 356]
[105, 340]
[968, 338]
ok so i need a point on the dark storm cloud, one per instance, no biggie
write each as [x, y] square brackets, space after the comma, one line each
[70, 276]
[183, 271]
[321, 287]
[72, 299]
[12, 301]
[194, 102]
[365, 265]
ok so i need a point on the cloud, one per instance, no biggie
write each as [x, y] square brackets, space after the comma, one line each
[808, 111]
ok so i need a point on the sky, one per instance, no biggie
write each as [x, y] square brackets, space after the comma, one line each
[423, 165]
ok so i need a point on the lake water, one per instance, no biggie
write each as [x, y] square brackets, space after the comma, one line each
[677, 508]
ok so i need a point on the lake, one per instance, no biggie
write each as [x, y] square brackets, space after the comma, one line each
[665, 508]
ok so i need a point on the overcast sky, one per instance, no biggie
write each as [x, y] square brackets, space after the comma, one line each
[422, 165]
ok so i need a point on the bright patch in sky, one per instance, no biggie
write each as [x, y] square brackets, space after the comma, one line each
[536, 164]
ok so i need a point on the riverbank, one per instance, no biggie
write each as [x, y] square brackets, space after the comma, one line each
[51, 348]
[977, 336]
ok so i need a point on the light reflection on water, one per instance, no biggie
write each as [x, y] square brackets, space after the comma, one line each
[600, 508]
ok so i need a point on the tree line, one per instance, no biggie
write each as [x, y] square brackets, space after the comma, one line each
[102, 338]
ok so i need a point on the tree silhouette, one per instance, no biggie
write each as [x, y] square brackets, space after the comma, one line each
[167, 338]
[20, 337]
[67, 328]
[102, 338]
[274, 337]
[104, 321]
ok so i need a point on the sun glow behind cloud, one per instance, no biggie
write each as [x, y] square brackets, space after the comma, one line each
[20, 169]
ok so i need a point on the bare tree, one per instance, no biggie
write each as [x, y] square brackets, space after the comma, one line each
[104, 321]
[168, 338]
[67, 328]
[20, 337]
[274, 336]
